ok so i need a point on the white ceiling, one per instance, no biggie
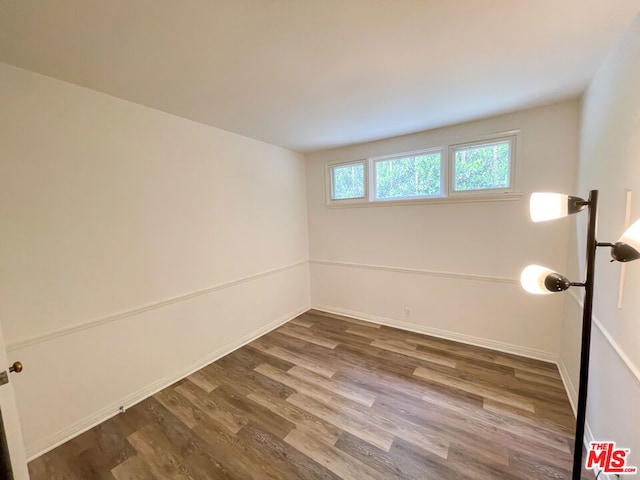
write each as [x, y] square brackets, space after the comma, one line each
[315, 74]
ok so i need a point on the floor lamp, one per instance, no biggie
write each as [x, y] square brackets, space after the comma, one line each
[542, 280]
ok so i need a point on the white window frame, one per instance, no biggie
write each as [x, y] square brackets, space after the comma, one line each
[447, 164]
[329, 182]
[373, 161]
[494, 140]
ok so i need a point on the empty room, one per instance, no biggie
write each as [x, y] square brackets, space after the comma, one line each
[319, 239]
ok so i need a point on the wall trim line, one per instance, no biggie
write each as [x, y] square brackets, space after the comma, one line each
[27, 342]
[635, 371]
[416, 271]
[58, 438]
[446, 334]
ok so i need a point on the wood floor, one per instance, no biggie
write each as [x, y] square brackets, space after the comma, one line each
[327, 397]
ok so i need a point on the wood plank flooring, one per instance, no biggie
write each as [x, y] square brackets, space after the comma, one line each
[329, 397]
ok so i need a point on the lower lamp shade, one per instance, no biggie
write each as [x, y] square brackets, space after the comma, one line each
[542, 280]
[627, 248]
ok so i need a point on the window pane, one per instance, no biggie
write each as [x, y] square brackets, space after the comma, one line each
[347, 181]
[482, 167]
[415, 176]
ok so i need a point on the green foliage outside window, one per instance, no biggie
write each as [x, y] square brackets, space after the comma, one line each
[348, 181]
[415, 176]
[482, 167]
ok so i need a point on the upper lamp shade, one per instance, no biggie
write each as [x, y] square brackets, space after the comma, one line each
[542, 280]
[627, 248]
[549, 206]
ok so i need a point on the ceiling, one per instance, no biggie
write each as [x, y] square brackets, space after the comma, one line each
[315, 74]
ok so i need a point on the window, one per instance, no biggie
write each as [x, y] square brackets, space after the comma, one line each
[415, 175]
[480, 168]
[484, 166]
[347, 181]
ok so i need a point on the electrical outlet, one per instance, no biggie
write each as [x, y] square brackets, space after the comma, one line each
[407, 312]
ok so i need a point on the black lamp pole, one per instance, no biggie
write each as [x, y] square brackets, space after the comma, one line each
[536, 279]
[592, 245]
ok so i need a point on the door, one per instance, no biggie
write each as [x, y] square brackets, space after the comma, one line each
[12, 455]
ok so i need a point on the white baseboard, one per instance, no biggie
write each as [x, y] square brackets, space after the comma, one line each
[569, 387]
[572, 394]
[588, 438]
[448, 335]
[52, 441]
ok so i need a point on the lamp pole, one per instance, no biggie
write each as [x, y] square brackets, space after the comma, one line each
[587, 312]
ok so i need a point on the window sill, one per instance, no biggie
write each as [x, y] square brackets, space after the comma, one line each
[500, 197]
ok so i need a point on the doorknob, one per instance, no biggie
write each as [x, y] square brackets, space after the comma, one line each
[16, 367]
[4, 377]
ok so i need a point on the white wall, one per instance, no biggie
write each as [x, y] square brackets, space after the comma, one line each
[456, 266]
[610, 162]
[136, 246]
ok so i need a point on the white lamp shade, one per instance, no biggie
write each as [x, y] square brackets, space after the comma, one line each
[631, 236]
[547, 206]
[533, 277]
